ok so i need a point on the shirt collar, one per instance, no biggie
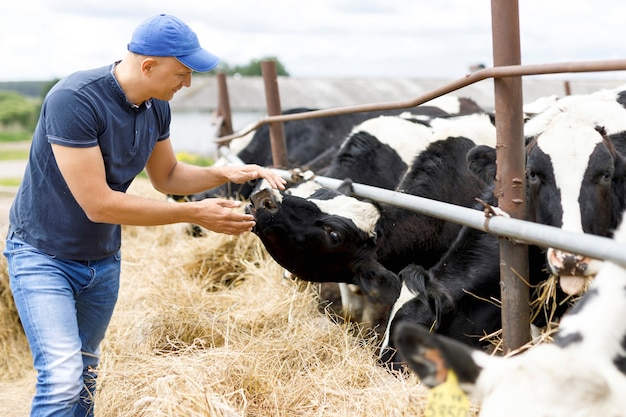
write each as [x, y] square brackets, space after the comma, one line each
[118, 90]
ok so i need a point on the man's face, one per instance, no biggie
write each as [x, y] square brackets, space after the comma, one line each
[167, 76]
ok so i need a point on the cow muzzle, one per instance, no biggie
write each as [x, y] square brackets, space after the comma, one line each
[263, 200]
[574, 271]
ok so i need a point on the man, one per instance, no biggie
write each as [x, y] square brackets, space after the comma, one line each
[97, 130]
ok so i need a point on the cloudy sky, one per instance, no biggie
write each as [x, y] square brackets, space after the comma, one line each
[46, 39]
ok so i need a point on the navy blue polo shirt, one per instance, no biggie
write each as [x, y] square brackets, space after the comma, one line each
[85, 109]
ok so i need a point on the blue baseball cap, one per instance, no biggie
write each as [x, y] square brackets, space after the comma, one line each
[166, 35]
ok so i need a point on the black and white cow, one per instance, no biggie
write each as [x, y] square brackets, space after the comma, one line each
[585, 190]
[311, 143]
[587, 197]
[575, 181]
[379, 151]
[327, 236]
[305, 140]
[582, 373]
[576, 174]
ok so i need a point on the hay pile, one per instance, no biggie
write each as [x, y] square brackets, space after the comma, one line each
[208, 327]
[15, 358]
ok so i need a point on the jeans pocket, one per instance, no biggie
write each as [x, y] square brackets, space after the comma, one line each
[14, 244]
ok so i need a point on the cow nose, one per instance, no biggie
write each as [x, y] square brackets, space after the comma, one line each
[574, 264]
[264, 199]
[566, 263]
[574, 272]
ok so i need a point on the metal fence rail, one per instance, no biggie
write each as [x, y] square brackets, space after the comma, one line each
[533, 233]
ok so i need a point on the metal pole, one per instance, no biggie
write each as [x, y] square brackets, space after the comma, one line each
[568, 88]
[510, 176]
[223, 106]
[272, 98]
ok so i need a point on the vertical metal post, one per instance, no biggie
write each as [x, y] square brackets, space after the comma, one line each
[568, 88]
[272, 99]
[510, 176]
[223, 106]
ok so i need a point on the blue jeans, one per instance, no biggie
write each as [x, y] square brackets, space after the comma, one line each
[65, 307]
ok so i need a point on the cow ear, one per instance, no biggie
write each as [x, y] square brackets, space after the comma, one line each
[481, 160]
[345, 187]
[431, 356]
[379, 284]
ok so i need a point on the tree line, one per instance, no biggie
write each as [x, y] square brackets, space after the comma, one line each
[17, 112]
[251, 69]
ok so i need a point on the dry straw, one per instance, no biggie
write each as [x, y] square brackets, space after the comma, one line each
[14, 354]
[208, 326]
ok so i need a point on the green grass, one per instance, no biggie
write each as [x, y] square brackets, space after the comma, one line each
[10, 182]
[194, 159]
[13, 154]
[6, 137]
[13, 149]
[188, 158]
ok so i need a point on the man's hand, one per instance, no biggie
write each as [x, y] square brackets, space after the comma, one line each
[218, 215]
[241, 174]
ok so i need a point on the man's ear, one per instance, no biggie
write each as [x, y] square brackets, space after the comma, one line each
[146, 65]
[431, 356]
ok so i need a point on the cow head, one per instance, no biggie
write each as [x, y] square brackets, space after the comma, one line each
[574, 181]
[426, 300]
[572, 170]
[323, 235]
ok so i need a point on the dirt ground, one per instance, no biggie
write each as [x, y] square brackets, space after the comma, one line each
[15, 396]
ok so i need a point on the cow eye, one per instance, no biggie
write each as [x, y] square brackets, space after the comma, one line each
[604, 177]
[532, 177]
[333, 234]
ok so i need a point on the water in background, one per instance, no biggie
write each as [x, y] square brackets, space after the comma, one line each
[194, 132]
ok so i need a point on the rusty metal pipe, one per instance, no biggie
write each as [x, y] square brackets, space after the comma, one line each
[224, 114]
[272, 98]
[510, 186]
[480, 75]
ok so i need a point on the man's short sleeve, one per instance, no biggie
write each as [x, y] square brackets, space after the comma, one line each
[70, 119]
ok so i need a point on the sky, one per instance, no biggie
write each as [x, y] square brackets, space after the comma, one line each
[48, 39]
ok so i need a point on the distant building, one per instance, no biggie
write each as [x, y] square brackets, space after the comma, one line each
[247, 94]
